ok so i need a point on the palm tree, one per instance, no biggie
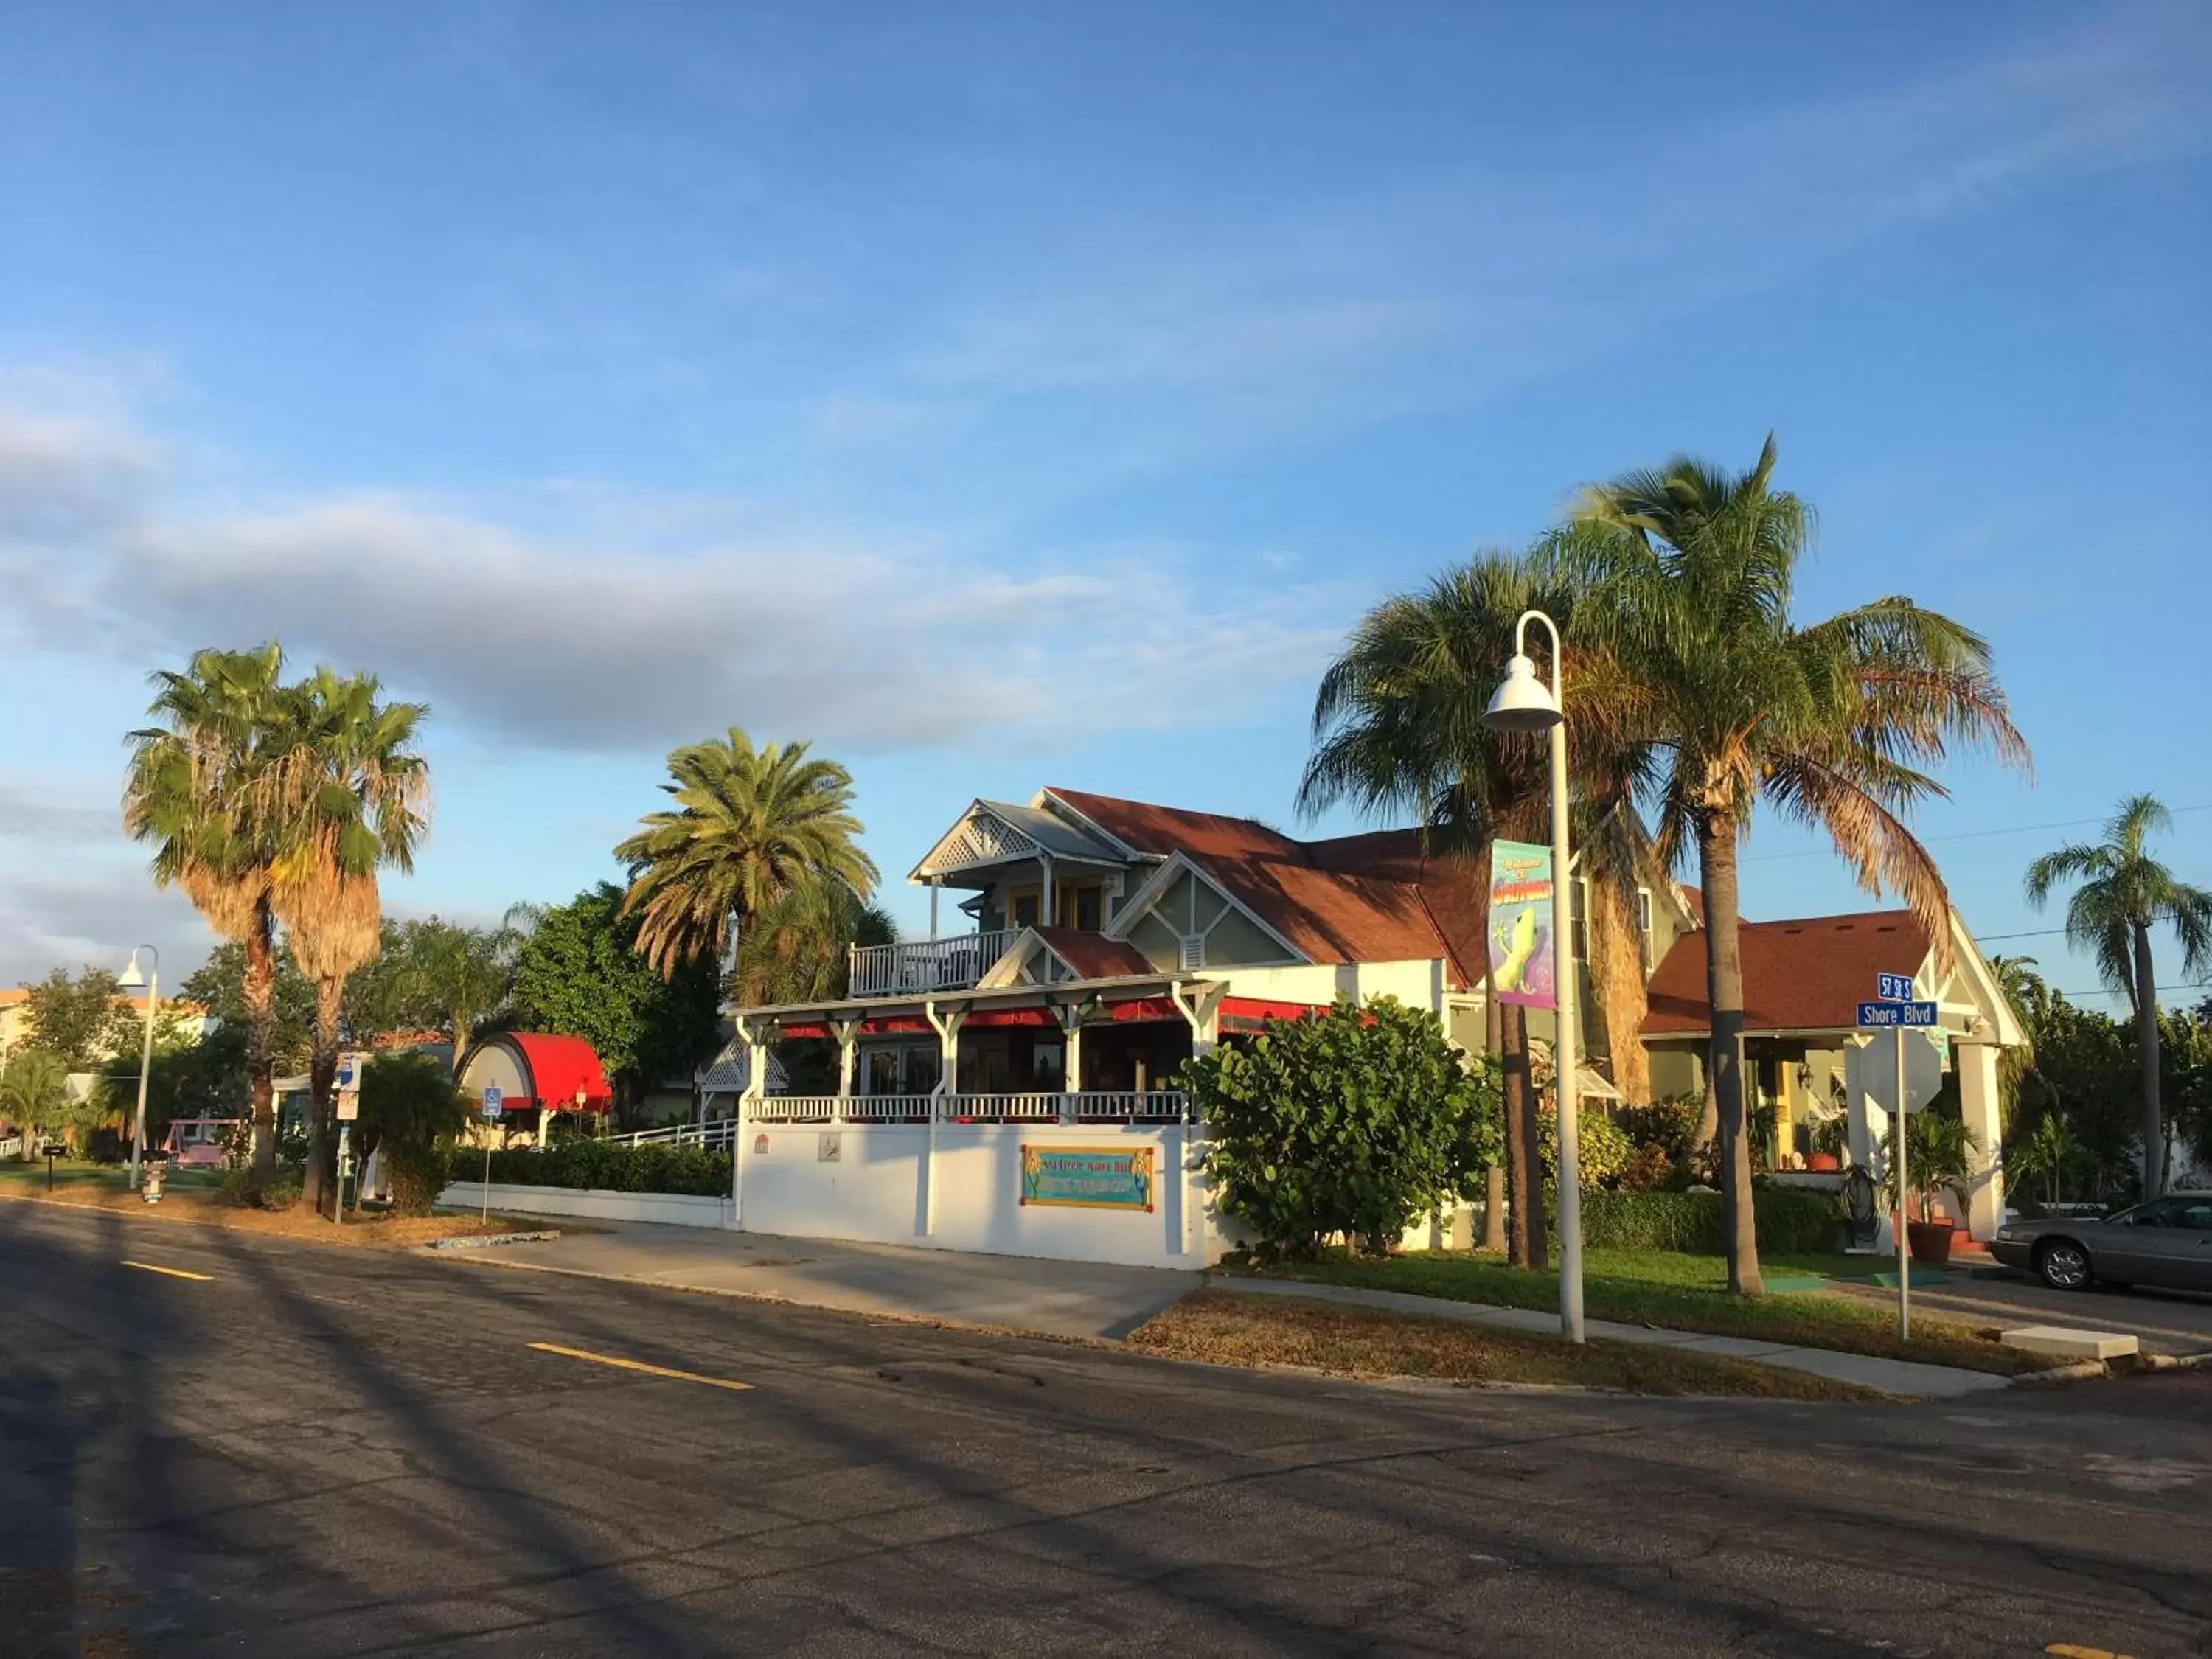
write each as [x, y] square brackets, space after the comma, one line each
[360, 800]
[34, 1097]
[747, 824]
[797, 948]
[465, 974]
[2123, 893]
[209, 788]
[1398, 732]
[1688, 574]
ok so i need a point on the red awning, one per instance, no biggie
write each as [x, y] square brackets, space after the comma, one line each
[556, 1068]
[1258, 1008]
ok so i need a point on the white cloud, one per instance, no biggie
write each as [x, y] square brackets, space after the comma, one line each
[576, 634]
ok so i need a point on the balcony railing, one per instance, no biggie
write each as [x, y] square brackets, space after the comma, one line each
[1089, 1106]
[916, 967]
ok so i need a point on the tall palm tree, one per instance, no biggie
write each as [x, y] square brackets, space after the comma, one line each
[747, 824]
[359, 800]
[2123, 893]
[1398, 732]
[797, 948]
[463, 974]
[209, 787]
[1687, 574]
[34, 1097]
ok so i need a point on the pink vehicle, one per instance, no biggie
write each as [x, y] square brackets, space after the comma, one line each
[200, 1142]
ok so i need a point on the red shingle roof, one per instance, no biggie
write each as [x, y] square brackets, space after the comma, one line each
[1356, 898]
[1807, 974]
[1093, 956]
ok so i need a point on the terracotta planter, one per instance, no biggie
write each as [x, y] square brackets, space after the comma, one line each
[1930, 1241]
[1827, 1163]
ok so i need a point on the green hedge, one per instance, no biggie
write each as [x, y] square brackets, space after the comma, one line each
[607, 1166]
[1792, 1220]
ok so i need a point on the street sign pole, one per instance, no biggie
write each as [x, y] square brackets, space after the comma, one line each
[1903, 1265]
[493, 1098]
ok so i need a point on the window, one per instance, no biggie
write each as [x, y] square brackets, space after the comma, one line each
[1643, 926]
[1048, 1066]
[1190, 952]
[1088, 912]
[2172, 1212]
[1025, 910]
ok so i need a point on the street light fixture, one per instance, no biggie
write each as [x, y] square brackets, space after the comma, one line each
[1522, 702]
[131, 981]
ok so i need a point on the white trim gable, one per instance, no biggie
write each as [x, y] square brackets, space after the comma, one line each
[978, 839]
[1155, 887]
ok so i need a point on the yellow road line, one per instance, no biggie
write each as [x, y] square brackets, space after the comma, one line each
[2067, 1650]
[639, 1365]
[174, 1273]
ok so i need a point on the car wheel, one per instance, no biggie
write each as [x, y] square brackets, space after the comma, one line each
[2065, 1265]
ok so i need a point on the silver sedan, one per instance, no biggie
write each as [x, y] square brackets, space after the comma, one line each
[2166, 1242]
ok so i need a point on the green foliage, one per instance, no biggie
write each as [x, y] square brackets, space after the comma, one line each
[1603, 1148]
[1649, 1170]
[609, 1166]
[748, 826]
[418, 1173]
[1669, 1124]
[795, 950]
[1791, 1220]
[408, 1100]
[206, 1078]
[1354, 1121]
[219, 986]
[34, 1096]
[82, 1021]
[579, 973]
[1939, 1153]
[261, 1189]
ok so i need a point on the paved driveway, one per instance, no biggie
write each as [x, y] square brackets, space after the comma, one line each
[1018, 1293]
[2164, 1321]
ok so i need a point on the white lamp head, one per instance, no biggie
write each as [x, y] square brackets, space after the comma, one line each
[133, 977]
[1522, 702]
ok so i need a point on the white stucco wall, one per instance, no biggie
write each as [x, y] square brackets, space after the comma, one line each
[1417, 984]
[877, 1191]
[592, 1203]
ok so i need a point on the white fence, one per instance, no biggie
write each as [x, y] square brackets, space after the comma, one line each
[1086, 1106]
[914, 967]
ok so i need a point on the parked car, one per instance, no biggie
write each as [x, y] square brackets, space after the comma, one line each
[2166, 1242]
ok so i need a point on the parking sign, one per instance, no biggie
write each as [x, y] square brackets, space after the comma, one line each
[492, 1100]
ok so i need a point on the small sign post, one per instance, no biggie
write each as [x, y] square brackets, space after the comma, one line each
[494, 1099]
[352, 1064]
[1896, 1012]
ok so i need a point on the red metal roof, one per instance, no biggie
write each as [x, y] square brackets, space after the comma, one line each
[1805, 974]
[1093, 956]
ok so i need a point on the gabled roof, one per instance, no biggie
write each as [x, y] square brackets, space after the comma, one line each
[991, 832]
[1805, 974]
[1356, 898]
[1093, 956]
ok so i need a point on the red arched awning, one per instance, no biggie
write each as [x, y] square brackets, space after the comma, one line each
[553, 1070]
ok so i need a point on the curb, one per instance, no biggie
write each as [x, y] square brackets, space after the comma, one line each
[478, 1241]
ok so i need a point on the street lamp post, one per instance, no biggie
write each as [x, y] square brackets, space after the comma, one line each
[131, 981]
[1523, 703]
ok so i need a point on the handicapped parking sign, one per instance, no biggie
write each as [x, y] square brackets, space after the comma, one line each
[492, 1100]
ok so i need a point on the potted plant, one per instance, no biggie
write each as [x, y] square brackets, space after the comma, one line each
[1828, 1137]
[1939, 1160]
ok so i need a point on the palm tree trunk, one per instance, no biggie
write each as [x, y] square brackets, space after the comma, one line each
[260, 995]
[1526, 1243]
[322, 1074]
[1716, 863]
[2153, 1129]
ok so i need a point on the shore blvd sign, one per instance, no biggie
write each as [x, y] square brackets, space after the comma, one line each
[1884, 1016]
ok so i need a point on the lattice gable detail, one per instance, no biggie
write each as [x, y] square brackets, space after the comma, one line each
[981, 838]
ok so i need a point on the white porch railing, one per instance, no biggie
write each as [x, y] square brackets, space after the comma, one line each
[1090, 1106]
[919, 965]
[715, 1135]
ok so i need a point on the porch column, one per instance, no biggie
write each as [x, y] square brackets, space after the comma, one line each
[935, 884]
[1201, 1011]
[1044, 892]
[947, 1026]
[847, 1033]
[1858, 1088]
[544, 1117]
[1976, 1059]
[1069, 1018]
[756, 1042]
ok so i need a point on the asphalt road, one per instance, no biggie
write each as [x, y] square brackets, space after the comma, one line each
[314, 1451]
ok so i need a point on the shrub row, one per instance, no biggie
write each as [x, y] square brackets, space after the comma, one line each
[1792, 1220]
[607, 1166]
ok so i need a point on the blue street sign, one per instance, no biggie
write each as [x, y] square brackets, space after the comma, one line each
[1876, 1016]
[1893, 987]
[493, 1098]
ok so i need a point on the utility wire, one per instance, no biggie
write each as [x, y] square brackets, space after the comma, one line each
[1971, 835]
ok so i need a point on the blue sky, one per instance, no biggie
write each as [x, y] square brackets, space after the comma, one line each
[1011, 395]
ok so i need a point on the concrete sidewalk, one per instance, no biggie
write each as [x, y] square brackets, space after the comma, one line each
[1088, 1300]
[1898, 1376]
